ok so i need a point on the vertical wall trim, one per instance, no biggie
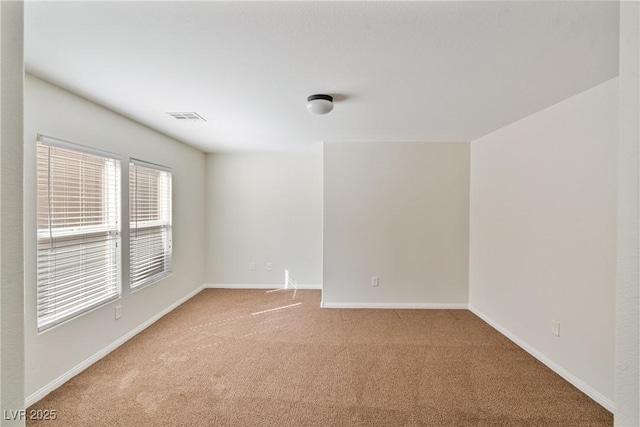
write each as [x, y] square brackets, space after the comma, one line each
[11, 210]
[627, 379]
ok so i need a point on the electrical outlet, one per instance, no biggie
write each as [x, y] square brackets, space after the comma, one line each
[118, 312]
[375, 281]
[269, 266]
[555, 328]
[252, 266]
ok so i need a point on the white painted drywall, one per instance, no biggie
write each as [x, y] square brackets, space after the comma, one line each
[627, 394]
[399, 211]
[55, 112]
[11, 216]
[261, 208]
[543, 232]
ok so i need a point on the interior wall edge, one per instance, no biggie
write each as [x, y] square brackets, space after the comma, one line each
[608, 404]
[627, 346]
[12, 347]
[34, 75]
[44, 391]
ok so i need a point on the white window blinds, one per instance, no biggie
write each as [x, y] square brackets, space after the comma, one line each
[150, 222]
[78, 211]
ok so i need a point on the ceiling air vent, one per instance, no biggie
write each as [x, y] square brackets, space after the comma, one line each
[187, 117]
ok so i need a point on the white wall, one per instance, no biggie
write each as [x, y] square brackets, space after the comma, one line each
[11, 216]
[627, 310]
[54, 112]
[399, 211]
[264, 208]
[543, 232]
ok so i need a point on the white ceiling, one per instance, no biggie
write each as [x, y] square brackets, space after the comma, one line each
[401, 71]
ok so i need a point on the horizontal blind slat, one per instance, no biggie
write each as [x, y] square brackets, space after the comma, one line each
[68, 298]
[150, 223]
[78, 209]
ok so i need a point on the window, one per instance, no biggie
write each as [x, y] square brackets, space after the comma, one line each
[78, 212]
[150, 222]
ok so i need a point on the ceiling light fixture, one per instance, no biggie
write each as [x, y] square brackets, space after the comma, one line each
[320, 104]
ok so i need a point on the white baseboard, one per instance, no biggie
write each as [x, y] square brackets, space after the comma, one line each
[578, 383]
[260, 286]
[397, 305]
[30, 400]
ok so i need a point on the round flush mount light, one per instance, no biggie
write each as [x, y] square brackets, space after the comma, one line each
[320, 104]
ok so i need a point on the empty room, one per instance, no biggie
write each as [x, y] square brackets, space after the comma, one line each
[319, 213]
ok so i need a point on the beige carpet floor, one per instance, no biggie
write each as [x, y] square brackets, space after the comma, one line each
[274, 358]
